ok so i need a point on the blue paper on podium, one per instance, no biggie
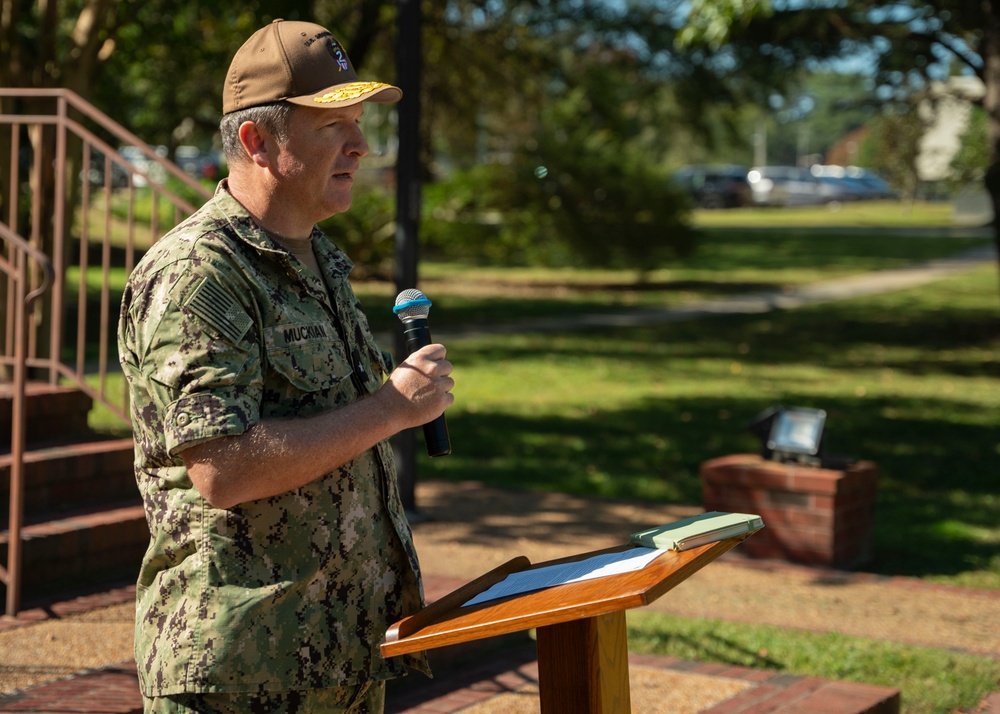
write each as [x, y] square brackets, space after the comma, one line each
[597, 566]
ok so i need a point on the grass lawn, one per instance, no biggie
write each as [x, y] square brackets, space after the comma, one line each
[931, 681]
[879, 214]
[910, 380]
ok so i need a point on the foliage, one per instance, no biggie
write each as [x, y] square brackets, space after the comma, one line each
[973, 152]
[709, 22]
[580, 198]
[893, 146]
[584, 181]
[469, 217]
[367, 231]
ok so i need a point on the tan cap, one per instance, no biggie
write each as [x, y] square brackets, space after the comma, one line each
[299, 62]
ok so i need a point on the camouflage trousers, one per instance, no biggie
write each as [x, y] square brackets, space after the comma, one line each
[367, 698]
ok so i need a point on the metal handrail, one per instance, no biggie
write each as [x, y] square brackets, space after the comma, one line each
[18, 274]
[25, 344]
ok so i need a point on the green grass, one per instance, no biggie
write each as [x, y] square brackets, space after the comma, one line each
[932, 681]
[910, 380]
[727, 262]
[863, 213]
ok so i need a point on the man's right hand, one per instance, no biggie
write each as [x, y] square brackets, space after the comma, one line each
[419, 389]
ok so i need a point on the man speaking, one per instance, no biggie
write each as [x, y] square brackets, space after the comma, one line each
[261, 408]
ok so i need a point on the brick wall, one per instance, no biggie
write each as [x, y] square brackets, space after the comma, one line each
[811, 515]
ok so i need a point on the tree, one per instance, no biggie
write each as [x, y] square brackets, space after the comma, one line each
[893, 147]
[908, 42]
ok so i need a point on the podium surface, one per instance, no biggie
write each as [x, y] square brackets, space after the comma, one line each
[581, 636]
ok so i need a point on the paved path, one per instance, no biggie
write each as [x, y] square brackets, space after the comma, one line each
[749, 303]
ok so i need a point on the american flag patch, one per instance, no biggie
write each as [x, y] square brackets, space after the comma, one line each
[215, 306]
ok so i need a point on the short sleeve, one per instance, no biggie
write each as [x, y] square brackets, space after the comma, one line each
[197, 355]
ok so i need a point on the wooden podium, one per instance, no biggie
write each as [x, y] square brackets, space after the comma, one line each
[581, 638]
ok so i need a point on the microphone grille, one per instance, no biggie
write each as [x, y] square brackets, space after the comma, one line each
[410, 304]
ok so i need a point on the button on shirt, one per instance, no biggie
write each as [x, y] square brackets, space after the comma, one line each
[221, 328]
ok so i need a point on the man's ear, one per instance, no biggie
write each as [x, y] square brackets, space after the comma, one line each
[254, 143]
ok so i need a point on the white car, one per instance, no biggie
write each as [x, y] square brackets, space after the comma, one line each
[788, 186]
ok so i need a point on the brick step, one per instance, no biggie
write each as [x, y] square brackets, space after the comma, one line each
[49, 409]
[60, 476]
[91, 545]
[793, 694]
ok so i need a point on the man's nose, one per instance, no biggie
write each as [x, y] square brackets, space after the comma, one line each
[357, 145]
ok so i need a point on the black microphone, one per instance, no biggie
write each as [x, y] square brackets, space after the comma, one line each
[412, 307]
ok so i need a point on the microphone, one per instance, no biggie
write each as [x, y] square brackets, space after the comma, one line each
[412, 307]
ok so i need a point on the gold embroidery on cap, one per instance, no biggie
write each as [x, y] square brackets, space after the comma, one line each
[350, 91]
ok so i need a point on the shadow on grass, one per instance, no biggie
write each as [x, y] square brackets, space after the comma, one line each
[938, 466]
[929, 504]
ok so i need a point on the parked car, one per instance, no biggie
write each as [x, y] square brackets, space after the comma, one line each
[878, 186]
[788, 186]
[844, 187]
[138, 160]
[197, 163]
[853, 183]
[715, 186]
[95, 173]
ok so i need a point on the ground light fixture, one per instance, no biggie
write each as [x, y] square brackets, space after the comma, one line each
[790, 434]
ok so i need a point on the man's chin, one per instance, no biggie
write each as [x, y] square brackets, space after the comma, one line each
[340, 203]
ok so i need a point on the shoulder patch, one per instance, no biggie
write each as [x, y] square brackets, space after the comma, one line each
[215, 306]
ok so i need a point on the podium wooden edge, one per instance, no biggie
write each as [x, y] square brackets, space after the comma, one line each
[408, 635]
[716, 549]
[414, 623]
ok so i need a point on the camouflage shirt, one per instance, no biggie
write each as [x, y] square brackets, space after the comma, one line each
[221, 328]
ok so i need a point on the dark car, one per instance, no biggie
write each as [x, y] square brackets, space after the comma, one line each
[715, 186]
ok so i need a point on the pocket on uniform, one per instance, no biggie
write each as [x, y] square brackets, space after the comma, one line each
[309, 355]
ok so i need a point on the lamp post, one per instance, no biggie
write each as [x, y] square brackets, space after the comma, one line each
[408, 54]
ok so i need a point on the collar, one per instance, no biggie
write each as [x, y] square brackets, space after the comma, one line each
[246, 229]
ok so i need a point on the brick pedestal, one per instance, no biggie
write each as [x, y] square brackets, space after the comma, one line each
[811, 515]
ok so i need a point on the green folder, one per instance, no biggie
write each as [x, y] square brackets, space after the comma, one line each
[697, 530]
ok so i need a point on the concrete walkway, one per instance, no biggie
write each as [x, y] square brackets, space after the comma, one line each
[749, 303]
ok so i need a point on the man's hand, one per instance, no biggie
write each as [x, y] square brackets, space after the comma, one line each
[419, 389]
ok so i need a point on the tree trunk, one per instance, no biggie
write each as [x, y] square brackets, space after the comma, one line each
[991, 103]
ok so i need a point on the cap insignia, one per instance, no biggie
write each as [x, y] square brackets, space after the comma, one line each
[352, 90]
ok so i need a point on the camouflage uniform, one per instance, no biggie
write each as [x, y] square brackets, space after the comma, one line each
[222, 328]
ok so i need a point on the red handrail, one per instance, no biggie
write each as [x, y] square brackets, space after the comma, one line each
[40, 141]
[17, 272]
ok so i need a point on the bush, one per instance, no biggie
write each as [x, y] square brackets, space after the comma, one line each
[558, 206]
[367, 231]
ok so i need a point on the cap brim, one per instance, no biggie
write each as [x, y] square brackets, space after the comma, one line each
[350, 93]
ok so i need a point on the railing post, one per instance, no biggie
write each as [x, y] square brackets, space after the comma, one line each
[58, 243]
[17, 439]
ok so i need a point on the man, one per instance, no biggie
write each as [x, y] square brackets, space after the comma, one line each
[279, 549]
